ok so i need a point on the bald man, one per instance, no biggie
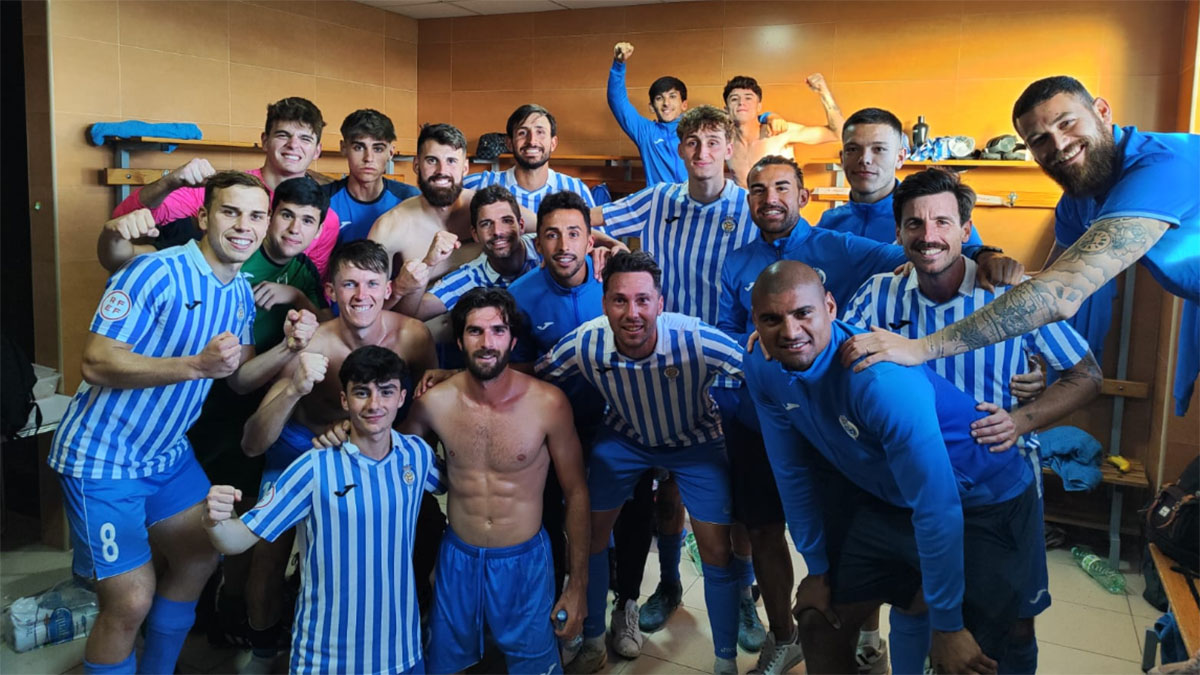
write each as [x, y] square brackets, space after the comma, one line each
[886, 494]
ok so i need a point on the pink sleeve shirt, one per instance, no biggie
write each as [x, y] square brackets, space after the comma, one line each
[185, 202]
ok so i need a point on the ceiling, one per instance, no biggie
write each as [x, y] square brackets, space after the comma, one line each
[436, 9]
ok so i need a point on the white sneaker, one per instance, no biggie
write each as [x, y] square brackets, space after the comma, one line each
[776, 659]
[627, 637]
[725, 666]
[872, 660]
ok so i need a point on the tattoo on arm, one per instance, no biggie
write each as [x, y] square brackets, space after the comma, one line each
[1107, 248]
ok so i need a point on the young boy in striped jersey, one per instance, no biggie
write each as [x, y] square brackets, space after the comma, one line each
[654, 370]
[533, 135]
[169, 323]
[502, 430]
[291, 413]
[933, 216]
[359, 503]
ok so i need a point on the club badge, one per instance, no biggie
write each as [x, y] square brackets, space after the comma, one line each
[848, 427]
[409, 476]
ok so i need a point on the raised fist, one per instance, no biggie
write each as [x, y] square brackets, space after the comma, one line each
[133, 225]
[221, 356]
[193, 174]
[441, 247]
[622, 51]
[310, 371]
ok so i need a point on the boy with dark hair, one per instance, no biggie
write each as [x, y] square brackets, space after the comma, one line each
[291, 141]
[364, 195]
[359, 503]
[757, 138]
[533, 136]
[655, 140]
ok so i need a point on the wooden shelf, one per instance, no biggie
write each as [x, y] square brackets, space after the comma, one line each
[1110, 475]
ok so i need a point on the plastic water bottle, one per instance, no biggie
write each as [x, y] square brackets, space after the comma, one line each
[65, 612]
[693, 551]
[568, 648]
[1112, 580]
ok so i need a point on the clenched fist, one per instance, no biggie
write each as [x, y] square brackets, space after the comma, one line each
[192, 174]
[221, 356]
[218, 506]
[310, 371]
[298, 328]
[133, 225]
[441, 247]
[622, 51]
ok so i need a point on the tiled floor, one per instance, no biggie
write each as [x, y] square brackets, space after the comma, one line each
[1086, 630]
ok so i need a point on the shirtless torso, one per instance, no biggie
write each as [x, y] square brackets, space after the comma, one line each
[407, 229]
[747, 151]
[498, 445]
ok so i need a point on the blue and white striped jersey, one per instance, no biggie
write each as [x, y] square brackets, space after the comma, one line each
[479, 272]
[658, 400]
[689, 240]
[530, 199]
[165, 304]
[357, 609]
[897, 304]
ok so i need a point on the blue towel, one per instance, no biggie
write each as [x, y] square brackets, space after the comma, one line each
[1074, 455]
[184, 131]
[1187, 368]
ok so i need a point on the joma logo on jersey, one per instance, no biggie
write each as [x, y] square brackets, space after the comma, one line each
[848, 427]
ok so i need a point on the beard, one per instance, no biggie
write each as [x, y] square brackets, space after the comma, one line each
[1096, 172]
[528, 165]
[438, 196]
[486, 373]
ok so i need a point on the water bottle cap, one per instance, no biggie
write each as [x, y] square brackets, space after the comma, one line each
[561, 615]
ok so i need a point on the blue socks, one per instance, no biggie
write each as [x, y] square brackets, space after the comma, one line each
[126, 667]
[721, 600]
[669, 548]
[1020, 657]
[909, 637]
[167, 626]
[597, 594]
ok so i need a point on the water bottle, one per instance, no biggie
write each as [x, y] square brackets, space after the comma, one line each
[920, 132]
[63, 613]
[689, 543]
[568, 648]
[1112, 580]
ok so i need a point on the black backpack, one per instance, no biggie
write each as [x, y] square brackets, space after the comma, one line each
[16, 396]
[491, 146]
[1173, 518]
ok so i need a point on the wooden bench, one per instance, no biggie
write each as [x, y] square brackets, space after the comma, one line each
[1182, 603]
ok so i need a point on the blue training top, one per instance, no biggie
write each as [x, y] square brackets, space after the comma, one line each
[656, 141]
[1159, 179]
[901, 434]
[873, 221]
[355, 218]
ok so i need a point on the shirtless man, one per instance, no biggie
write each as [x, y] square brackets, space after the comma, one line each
[501, 430]
[301, 405]
[755, 140]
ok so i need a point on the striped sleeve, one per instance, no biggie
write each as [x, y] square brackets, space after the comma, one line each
[450, 288]
[627, 217]
[860, 311]
[133, 300]
[1059, 344]
[287, 502]
[721, 353]
[434, 481]
[474, 181]
[562, 361]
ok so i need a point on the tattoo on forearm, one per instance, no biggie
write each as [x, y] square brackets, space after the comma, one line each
[1017, 312]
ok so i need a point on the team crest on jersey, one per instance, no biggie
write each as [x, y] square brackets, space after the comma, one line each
[848, 427]
[409, 476]
[241, 313]
[266, 497]
[729, 225]
[821, 273]
[671, 372]
[115, 305]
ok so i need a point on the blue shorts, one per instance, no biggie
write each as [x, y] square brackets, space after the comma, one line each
[110, 517]
[293, 441]
[1035, 597]
[701, 471]
[505, 593]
